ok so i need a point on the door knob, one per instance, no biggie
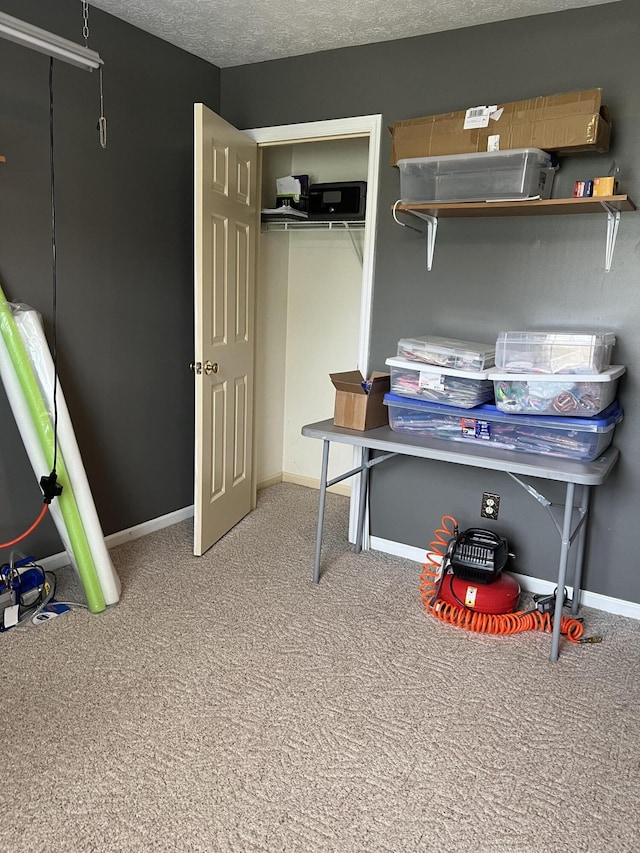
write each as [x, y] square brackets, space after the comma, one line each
[195, 367]
[210, 368]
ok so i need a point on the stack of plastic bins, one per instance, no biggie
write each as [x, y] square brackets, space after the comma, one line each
[562, 374]
[558, 376]
[555, 395]
[443, 370]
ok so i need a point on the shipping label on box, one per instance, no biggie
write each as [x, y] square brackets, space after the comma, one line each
[566, 123]
[359, 401]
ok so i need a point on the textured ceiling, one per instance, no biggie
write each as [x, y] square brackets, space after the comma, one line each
[237, 32]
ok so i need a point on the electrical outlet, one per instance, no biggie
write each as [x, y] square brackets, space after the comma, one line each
[490, 505]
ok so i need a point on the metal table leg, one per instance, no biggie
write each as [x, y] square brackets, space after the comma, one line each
[562, 569]
[580, 545]
[362, 500]
[323, 495]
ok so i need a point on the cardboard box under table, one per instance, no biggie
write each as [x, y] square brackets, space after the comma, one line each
[567, 123]
[359, 402]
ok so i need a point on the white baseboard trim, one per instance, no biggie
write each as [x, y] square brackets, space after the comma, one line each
[535, 585]
[300, 480]
[313, 483]
[149, 526]
[57, 561]
[54, 562]
[270, 481]
[605, 603]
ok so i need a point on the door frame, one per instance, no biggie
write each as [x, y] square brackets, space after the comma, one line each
[369, 126]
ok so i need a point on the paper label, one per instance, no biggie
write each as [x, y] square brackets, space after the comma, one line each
[470, 597]
[428, 380]
[476, 117]
[479, 116]
[475, 428]
[11, 616]
[493, 142]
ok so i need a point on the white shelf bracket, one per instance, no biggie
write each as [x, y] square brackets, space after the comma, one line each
[613, 220]
[432, 228]
[357, 248]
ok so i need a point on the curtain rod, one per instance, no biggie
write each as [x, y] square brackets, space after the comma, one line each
[32, 37]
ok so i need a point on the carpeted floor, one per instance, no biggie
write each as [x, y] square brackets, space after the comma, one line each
[227, 704]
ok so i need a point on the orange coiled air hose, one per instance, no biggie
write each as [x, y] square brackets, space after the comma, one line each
[471, 620]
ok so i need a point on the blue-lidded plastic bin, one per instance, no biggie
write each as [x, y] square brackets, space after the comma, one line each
[583, 439]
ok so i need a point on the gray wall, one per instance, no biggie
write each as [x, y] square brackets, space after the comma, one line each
[125, 269]
[544, 272]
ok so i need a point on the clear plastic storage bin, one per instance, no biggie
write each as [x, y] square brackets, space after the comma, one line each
[583, 439]
[464, 388]
[513, 174]
[574, 395]
[554, 352]
[448, 352]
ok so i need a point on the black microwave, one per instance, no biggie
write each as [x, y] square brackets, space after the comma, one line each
[338, 200]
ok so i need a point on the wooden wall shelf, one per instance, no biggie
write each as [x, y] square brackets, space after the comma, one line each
[430, 212]
[539, 207]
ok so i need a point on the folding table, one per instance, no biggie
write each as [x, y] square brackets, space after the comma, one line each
[388, 444]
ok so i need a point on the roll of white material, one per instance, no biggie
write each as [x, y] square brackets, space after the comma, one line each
[30, 327]
[30, 440]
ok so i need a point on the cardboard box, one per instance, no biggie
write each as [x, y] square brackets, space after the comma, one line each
[567, 123]
[358, 407]
[604, 186]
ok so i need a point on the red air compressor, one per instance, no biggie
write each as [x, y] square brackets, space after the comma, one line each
[463, 584]
[472, 573]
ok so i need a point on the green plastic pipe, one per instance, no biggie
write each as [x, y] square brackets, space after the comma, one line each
[44, 429]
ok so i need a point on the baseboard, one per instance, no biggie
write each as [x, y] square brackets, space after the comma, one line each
[313, 483]
[299, 480]
[149, 527]
[57, 561]
[606, 603]
[270, 481]
[535, 585]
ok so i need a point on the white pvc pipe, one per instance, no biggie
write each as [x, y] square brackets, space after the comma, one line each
[31, 442]
[28, 322]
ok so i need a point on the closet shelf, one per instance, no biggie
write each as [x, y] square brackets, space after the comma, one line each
[430, 212]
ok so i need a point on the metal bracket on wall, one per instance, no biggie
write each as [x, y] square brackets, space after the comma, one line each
[432, 228]
[613, 220]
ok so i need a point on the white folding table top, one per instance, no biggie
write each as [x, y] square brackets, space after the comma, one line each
[478, 455]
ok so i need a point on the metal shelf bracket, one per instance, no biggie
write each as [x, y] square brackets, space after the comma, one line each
[432, 228]
[613, 220]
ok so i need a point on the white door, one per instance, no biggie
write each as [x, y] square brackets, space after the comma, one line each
[225, 228]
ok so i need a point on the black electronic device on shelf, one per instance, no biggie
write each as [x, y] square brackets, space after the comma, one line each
[338, 200]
